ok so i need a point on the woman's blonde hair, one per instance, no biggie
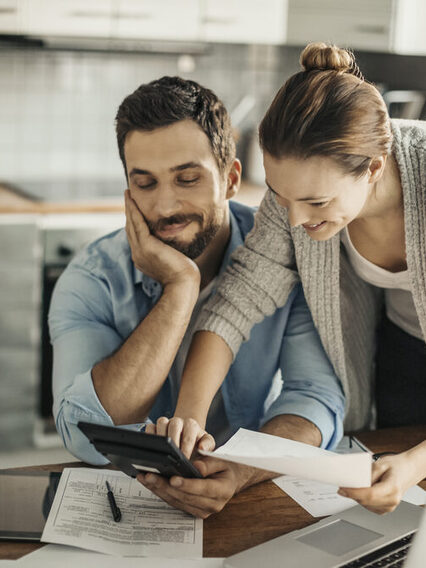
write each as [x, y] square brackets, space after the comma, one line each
[328, 109]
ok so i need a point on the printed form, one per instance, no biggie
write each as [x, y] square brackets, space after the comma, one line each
[81, 516]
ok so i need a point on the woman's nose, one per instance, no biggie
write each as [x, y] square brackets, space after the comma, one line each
[297, 215]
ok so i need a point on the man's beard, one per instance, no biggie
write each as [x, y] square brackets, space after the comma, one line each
[201, 240]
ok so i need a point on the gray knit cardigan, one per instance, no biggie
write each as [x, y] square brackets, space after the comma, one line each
[344, 308]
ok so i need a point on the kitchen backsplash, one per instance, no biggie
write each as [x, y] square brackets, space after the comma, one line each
[57, 108]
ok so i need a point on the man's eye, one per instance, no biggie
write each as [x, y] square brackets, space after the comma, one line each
[145, 185]
[320, 204]
[189, 180]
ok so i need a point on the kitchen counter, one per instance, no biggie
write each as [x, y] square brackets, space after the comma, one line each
[10, 202]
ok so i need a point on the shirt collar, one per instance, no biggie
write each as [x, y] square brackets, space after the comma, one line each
[153, 288]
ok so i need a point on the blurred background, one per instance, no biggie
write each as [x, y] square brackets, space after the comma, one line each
[65, 66]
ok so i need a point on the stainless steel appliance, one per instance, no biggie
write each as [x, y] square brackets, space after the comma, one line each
[405, 104]
[62, 236]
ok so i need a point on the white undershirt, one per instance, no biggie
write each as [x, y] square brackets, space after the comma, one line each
[399, 302]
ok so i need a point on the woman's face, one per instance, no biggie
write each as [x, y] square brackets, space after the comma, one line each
[316, 193]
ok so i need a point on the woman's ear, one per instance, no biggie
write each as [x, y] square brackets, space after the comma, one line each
[376, 168]
[233, 180]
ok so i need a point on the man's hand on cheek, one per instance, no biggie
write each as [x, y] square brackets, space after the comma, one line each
[153, 257]
[199, 497]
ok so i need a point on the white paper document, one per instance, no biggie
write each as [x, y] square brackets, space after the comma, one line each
[280, 455]
[81, 516]
[60, 556]
[321, 499]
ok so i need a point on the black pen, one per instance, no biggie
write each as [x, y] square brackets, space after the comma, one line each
[115, 510]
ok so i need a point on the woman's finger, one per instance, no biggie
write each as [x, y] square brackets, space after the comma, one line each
[206, 442]
[174, 430]
[162, 426]
[190, 435]
[150, 428]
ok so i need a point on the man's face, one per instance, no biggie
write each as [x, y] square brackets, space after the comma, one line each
[175, 181]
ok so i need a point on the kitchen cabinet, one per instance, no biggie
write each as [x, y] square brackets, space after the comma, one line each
[73, 18]
[10, 17]
[380, 25]
[20, 270]
[374, 25]
[244, 21]
[410, 27]
[121, 19]
[230, 21]
[157, 19]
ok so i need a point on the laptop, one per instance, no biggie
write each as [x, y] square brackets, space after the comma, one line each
[354, 538]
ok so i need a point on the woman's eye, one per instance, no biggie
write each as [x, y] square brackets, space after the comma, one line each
[320, 204]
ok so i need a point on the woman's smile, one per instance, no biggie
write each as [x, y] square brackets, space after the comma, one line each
[314, 227]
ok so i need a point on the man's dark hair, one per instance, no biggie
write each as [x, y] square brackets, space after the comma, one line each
[169, 100]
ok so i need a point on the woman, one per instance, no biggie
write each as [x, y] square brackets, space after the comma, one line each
[346, 214]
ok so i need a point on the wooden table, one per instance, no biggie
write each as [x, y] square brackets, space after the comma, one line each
[258, 514]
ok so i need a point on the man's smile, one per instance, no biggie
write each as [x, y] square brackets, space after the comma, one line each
[172, 230]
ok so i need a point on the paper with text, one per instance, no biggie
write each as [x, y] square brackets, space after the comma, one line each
[80, 516]
[280, 455]
[321, 499]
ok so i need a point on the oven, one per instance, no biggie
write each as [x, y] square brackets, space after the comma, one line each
[62, 236]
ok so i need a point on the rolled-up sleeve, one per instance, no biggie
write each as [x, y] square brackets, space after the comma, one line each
[310, 387]
[82, 335]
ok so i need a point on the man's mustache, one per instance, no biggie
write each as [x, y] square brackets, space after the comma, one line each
[173, 220]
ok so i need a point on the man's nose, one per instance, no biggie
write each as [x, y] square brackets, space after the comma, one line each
[297, 215]
[166, 201]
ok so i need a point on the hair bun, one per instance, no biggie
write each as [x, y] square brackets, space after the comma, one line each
[322, 57]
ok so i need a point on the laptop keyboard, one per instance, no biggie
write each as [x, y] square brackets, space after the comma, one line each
[389, 556]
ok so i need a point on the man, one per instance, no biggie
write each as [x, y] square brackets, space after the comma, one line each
[123, 312]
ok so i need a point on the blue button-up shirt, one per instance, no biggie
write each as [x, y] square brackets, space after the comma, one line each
[101, 298]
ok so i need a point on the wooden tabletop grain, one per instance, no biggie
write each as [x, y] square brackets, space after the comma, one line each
[259, 513]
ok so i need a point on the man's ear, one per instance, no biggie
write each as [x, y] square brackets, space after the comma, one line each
[233, 180]
[376, 168]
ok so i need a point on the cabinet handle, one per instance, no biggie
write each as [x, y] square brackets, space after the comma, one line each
[372, 29]
[84, 14]
[135, 16]
[7, 10]
[221, 21]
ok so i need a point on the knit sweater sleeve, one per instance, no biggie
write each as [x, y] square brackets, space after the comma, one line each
[258, 280]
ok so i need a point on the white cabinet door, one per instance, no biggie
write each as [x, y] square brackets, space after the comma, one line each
[157, 19]
[244, 21]
[410, 27]
[10, 17]
[397, 26]
[360, 24]
[72, 18]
